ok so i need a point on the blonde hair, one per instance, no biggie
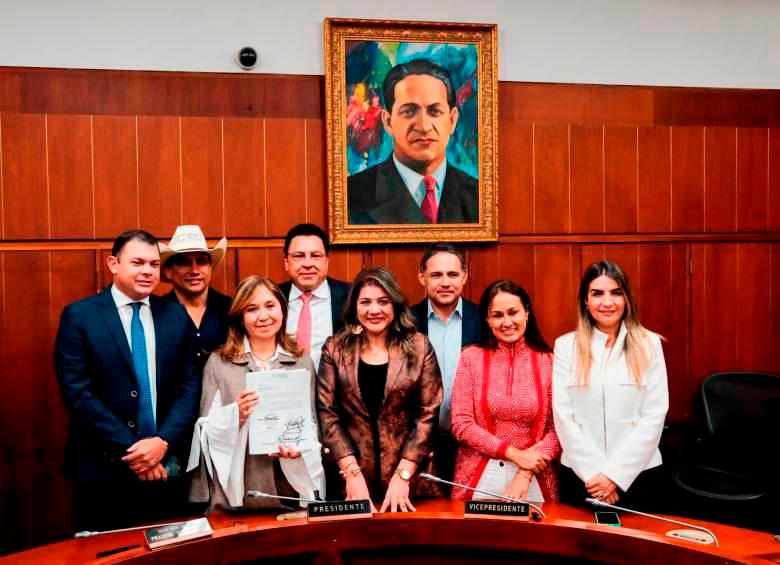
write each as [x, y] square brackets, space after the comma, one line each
[636, 346]
[234, 346]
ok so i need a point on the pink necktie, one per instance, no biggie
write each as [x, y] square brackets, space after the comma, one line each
[429, 207]
[303, 335]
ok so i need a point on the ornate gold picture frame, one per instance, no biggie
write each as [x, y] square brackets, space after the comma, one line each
[412, 131]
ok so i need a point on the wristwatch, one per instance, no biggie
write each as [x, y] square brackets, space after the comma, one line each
[405, 474]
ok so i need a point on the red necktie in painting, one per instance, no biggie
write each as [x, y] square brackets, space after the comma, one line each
[429, 207]
[303, 334]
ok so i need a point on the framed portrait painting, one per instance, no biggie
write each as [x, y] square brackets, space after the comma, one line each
[412, 132]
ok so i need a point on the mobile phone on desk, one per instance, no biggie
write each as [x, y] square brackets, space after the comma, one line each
[608, 519]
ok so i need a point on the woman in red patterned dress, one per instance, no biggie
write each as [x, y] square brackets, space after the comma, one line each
[502, 403]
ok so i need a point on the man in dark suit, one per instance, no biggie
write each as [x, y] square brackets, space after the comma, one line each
[416, 185]
[451, 323]
[315, 304]
[125, 365]
[315, 300]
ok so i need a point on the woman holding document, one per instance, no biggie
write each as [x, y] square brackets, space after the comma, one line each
[379, 391]
[226, 470]
[502, 404]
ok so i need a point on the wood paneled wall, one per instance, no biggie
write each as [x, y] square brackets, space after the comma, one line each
[680, 186]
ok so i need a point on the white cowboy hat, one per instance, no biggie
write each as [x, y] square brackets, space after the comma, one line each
[190, 239]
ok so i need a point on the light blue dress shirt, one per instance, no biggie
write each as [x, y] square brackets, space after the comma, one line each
[446, 341]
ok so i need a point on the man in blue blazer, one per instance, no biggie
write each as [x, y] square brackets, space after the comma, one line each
[125, 364]
[451, 323]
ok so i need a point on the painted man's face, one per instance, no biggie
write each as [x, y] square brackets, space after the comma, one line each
[420, 122]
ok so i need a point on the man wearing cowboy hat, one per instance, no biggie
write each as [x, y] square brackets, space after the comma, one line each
[187, 264]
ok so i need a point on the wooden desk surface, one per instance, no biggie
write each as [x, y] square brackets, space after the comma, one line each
[438, 529]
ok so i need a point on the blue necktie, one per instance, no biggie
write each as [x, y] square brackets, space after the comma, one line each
[146, 425]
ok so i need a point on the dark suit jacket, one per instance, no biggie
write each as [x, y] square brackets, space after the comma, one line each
[99, 386]
[339, 290]
[378, 195]
[408, 417]
[470, 324]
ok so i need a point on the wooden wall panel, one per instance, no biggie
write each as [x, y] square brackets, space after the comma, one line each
[25, 203]
[72, 278]
[316, 174]
[245, 194]
[516, 177]
[752, 179]
[774, 309]
[773, 207]
[714, 304]
[590, 254]
[657, 179]
[483, 270]
[621, 177]
[223, 277]
[516, 263]
[688, 179]
[654, 198]
[69, 145]
[720, 179]
[275, 269]
[627, 256]
[345, 264]
[755, 348]
[404, 263]
[587, 179]
[557, 272]
[159, 174]
[202, 175]
[661, 287]
[286, 179]
[24, 424]
[115, 157]
[552, 199]
[252, 262]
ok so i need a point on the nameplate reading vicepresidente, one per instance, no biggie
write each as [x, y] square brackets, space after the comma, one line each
[496, 510]
[342, 510]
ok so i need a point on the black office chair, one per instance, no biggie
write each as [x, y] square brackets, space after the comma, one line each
[739, 458]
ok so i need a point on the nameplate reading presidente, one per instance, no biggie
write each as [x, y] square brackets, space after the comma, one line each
[342, 510]
[496, 510]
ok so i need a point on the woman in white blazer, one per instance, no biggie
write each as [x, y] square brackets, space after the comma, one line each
[610, 397]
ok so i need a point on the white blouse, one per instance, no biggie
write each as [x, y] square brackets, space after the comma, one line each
[611, 425]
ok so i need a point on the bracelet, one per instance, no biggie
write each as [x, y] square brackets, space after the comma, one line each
[527, 474]
[354, 469]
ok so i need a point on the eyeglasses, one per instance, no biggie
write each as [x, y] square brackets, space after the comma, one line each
[299, 258]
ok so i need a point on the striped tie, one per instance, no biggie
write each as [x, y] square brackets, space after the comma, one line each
[146, 425]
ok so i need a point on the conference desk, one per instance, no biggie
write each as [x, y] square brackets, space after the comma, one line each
[436, 533]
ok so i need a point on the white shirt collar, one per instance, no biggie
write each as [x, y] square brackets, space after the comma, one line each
[458, 308]
[599, 338]
[414, 180]
[274, 357]
[322, 291]
[121, 299]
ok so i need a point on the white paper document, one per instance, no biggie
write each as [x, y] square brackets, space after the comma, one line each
[284, 413]
[497, 476]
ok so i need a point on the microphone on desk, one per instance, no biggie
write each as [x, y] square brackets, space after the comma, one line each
[258, 494]
[435, 479]
[682, 534]
[88, 534]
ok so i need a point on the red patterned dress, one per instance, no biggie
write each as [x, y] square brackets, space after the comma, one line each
[509, 405]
